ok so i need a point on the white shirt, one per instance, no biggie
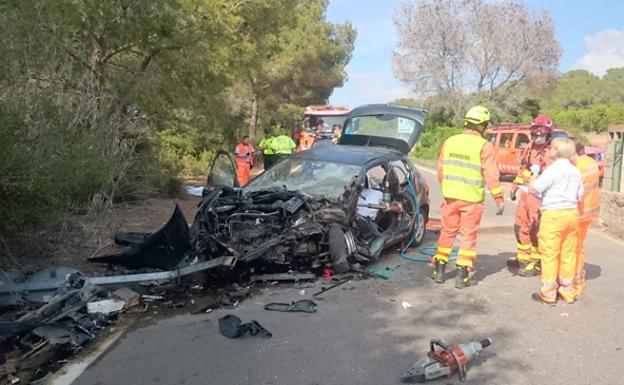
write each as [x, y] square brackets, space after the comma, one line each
[369, 195]
[561, 186]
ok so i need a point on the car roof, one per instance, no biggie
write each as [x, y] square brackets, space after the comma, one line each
[517, 127]
[351, 155]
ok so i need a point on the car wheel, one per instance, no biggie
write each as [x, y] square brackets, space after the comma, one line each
[338, 249]
[419, 228]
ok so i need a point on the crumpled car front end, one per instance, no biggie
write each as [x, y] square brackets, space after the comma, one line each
[270, 231]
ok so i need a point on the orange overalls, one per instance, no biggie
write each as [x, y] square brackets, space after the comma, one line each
[244, 161]
[558, 232]
[463, 215]
[527, 220]
[306, 140]
[589, 211]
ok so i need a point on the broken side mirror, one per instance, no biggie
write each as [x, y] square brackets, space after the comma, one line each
[222, 172]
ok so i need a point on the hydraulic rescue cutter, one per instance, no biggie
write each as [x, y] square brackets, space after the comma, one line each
[444, 361]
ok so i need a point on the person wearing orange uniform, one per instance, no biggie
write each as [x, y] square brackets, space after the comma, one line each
[561, 189]
[465, 167]
[590, 208]
[244, 160]
[526, 225]
[306, 140]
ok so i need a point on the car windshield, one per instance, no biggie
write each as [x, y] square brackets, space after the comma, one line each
[310, 177]
[328, 121]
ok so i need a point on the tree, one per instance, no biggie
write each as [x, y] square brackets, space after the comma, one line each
[454, 48]
[576, 89]
[286, 52]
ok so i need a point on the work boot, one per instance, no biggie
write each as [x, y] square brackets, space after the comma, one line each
[528, 270]
[463, 279]
[437, 273]
[538, 298]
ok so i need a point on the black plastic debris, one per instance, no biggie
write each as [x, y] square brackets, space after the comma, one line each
[231, 326]
[59, 307]
[304, 305]
[163, 249]
[130, 238]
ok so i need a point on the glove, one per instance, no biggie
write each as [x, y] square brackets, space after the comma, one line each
[500, 208]
[512, 193]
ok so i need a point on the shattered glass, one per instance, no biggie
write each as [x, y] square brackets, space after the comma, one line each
[310, 177]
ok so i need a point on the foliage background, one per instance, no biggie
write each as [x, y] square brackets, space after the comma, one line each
[102, 101]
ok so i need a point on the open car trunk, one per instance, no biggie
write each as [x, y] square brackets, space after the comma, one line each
[383, 125]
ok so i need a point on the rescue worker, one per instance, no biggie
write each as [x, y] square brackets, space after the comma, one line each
[337, 133]
[268, 156]
[533, 160]
[306, 140]
[465, 167]
[589, 209]
[244, 160]
[282, 145]
[561, 189]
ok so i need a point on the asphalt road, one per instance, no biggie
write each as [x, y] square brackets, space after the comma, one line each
[361, 334]
[490, 219]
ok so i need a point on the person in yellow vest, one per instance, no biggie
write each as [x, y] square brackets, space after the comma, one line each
[282, 145]
[267, 151]
[466, 166]
[244, 160]
[589, 209]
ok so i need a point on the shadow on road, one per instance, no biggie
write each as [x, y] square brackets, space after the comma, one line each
[491, 264]
[592, 271]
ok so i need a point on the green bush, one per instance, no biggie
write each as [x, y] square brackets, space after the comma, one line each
[431, 140]
[594, 119]
[44, 171]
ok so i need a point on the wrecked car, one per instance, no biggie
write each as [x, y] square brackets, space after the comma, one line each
[334, 207]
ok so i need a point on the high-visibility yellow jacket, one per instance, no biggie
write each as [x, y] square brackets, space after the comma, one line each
[466, 165]
[591, 188]
[282, 145]
[265, 145]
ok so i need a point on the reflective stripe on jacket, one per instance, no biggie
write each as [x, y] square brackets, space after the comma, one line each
[591, 188]
[462, 175]
[282, 145]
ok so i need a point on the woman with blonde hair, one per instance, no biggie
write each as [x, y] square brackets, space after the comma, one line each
[561, 189]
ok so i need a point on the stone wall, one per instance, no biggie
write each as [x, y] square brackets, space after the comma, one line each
[612, 212]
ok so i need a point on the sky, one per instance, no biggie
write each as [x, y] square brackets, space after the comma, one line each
[591, 34]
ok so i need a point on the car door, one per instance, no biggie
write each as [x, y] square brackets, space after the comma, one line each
[222, 172]
[505, 152]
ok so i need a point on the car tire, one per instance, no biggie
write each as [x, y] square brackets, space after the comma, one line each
[419, 232]
[338, 250]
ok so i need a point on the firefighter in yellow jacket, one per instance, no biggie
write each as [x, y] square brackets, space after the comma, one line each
[466, 166]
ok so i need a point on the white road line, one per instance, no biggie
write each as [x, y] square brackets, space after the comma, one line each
[69, 374]
[434, 172]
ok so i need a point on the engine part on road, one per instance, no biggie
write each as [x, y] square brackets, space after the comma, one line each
[444, 361]
[231, 326]
[303, 305]
[335, 285]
